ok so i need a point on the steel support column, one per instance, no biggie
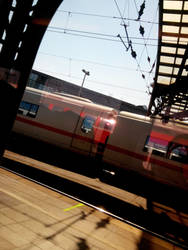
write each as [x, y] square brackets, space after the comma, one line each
[22, 26]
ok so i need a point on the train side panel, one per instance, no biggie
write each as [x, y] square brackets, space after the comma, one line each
[125, 145]
[64, 122]
[127, 141]
[54, 122]
[141, 146]
[167, 148]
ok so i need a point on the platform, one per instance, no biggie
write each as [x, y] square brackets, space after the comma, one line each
[34, 217]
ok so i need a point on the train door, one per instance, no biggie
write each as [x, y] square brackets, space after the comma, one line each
[83, 137]
[93, 130]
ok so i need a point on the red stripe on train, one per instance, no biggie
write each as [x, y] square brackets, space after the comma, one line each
[141, 157]
[52, 129]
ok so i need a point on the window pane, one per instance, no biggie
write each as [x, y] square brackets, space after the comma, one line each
[25, 105]
[87, 124]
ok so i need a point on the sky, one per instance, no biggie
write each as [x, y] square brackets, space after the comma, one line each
[91, 35]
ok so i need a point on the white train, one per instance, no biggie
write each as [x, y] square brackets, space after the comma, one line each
[124, 140]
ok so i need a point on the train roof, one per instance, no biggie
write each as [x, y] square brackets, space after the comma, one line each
[156, 121]
[73, 96]
[134, 116]
[69, 98]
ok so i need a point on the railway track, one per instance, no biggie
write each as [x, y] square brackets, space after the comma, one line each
[157, 224]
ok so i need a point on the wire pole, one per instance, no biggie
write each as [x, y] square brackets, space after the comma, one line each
[85, 73]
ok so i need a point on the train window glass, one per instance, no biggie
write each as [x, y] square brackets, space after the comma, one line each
[28, 109]
[33, 110]
[177, 152]
[87, 124]
[158, 146]
[24, 105]
[32, 79]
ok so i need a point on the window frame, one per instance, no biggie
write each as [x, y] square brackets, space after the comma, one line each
[28, 109]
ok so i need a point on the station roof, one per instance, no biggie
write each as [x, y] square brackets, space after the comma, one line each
[169, 97]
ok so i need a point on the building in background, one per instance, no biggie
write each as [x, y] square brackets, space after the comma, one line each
[46, 82]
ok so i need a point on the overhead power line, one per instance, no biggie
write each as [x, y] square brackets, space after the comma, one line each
[94, 35]
[91, 62]
[129, 46]
[104, 16]
[94, 81]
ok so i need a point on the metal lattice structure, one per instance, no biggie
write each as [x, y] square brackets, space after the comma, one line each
[22, 26]
[169, 98]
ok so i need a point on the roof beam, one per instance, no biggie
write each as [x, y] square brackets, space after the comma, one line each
[171, 34]
[170, 11]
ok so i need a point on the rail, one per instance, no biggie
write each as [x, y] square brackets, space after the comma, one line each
[145, 220]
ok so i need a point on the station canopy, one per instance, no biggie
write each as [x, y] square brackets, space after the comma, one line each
[169, 98]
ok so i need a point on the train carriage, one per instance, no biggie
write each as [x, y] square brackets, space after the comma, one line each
[63, 120]
[142, 144]
[129, 142]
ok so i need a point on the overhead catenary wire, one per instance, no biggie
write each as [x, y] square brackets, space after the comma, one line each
[136, 38]
[68, 32]
[126, 4]
[147, 39]
[125, 26]
[140, 13]
[146, 42]
[94, 81]
[154, 63]
[70, 59]
[68, 19]
[105, 16]
[62, 29]
[141, 28]
[93, 35]
[133, 53]
[69, 75]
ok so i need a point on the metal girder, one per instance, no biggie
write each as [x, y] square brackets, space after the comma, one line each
[22, 26]
[169, 97]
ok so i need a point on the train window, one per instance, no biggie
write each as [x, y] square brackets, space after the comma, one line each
[171, 150]
[28, 109]
[158, 146]
[87, 124]
[177, 152]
